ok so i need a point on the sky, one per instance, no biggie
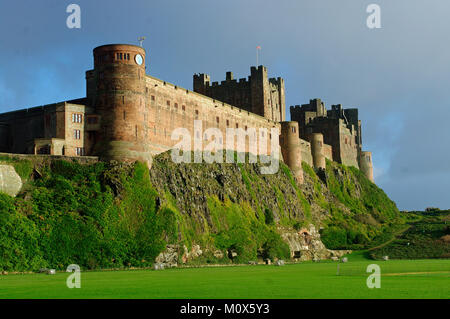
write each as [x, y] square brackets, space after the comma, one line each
[398, 76]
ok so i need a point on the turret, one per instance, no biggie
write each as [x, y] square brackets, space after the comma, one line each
[116, 89]
[366, 165]
[317, 150]
[291, 149]
[201, 83]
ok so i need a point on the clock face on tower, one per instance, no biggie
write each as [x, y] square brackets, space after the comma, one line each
[138, 58]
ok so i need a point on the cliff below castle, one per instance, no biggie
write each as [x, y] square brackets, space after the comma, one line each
[111, 215]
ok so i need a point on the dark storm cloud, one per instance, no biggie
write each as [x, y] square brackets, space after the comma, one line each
[398, 76]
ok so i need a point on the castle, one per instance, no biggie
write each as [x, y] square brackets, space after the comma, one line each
[129, 115]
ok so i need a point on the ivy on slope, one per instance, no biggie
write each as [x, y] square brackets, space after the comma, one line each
[370, 216]
[96, 216]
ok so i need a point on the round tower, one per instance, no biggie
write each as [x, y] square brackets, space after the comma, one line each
[316, 140]
[116, 89]
[291, 148]
[365, 164]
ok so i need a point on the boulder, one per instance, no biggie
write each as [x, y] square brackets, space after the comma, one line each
[344, 260]
[158, 266]
[279, 263]
[169, 257]
[10, 181]
[218, 254]
[51, 272]
[385, 258]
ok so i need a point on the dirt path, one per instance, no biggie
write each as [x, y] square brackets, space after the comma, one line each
[392, 239]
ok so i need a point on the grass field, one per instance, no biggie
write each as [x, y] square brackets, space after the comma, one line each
[399, 279]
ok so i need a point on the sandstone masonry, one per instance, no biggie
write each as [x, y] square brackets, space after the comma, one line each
[128, 115]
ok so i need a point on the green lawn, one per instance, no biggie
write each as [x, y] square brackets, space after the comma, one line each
[400, 279]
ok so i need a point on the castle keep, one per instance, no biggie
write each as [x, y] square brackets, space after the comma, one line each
[129, 115]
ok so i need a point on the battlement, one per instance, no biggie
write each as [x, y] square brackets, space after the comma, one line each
[128, 115]
[258, 94]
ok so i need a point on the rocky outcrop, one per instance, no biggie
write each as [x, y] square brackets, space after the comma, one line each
[10, 181]
[306, 245]
[169, 257]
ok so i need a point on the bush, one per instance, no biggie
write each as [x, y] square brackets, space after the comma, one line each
[334, 237]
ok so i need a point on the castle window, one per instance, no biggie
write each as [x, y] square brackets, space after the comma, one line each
[237, 125]
[293, 129]
[120, 56]
[76, 134]
[246, 128]
[124, 115]
[217, 119]
[146, 89]
[176, 106]
[228, 123]
[168, 103]
[270, 136]
[196, 114]
[79, 151]
[153, 97]
[183, 107]
[77, 118]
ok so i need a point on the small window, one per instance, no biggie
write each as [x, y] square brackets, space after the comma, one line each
[77, 118]
[120, 56]
[183, 107]
[217, 119]
[246, 128]
[293, 129]
[237, 125]
[176, 106]
[76, 134]
[153, 97]
[196, 114]
[168, 103]
[79, 151]
[228, 123]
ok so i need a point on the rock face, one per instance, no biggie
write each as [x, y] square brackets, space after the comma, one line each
[169, 257]
[10, 181]
[306, 245]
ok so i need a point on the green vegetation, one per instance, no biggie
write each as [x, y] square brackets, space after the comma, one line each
[23, 167]
[368, 217]
[407, 279]
[98, 216]
[427, 237]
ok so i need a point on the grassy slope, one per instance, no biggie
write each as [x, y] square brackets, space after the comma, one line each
[112, 216]
[423, 238]
[306, 280]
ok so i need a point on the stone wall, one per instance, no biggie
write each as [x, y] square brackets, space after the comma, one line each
[172, 107]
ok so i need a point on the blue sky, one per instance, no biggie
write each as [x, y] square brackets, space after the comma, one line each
[398, 76]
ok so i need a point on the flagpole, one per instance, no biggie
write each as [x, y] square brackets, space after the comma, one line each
[257, 54]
